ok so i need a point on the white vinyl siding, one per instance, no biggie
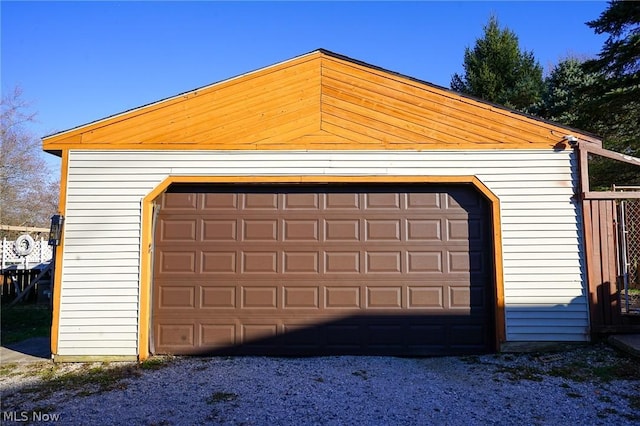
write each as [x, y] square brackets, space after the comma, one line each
[544, 272]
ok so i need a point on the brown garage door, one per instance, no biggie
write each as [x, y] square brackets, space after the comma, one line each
[332, 269]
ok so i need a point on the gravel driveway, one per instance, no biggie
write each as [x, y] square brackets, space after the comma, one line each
[586, 386]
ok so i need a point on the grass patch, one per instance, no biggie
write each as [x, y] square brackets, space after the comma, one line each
[83, 379]
[44, 409]
[472, 359]
[8, 369]
[22, 322]
[634, 401]
[98, 379]
[605, 398]
[576, 371]
[515, 374]
[603, 414]
[156, 362]
[631, 417]
[89, 379]
[49, 372]
[617, 369]
[362, 374]
[200, 368]
[221, 397]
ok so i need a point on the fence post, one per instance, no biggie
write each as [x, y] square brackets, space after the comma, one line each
[4, 243]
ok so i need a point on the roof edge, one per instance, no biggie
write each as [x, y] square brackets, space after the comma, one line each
[463, 95]
[180, 95]
[592, 138]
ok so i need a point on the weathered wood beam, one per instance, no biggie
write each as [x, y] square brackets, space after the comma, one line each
[583, 151]
[610, 195]
[22, 228]
[610, 154]
[584, 169]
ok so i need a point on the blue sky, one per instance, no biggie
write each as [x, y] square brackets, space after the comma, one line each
[81, 61]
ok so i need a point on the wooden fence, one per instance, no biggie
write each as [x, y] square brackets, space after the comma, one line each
[41, 253]
[602, 245]
[17, 272]
[601, 254]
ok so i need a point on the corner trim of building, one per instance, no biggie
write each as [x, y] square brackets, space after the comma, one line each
[56, 299]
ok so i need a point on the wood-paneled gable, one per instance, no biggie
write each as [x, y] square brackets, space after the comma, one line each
[316, 101]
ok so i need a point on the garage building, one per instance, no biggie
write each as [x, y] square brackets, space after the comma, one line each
[318, 206]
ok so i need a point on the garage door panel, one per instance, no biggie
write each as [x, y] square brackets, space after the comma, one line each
[304, 295]
[467, 298]
[466, 336]
[342, 297]
[299, 294]
[322, 270]
[383, 262]
[410, 335]
[302, 337]
[256, 332]
[423, 201]
[219, 201]
[178, 229]
[171, 297]
[218, 335]
[421, 262]
[301, 230]
[459, 261]
[301, 262]
[341, 201]
[422, 297]
[342, 262]
[177, 262]
[385, 337]
[460, 230]
[462, 199]
[179, 201]
[261, 201]
[384, 298]
[259, 297]
[294, 297]
[222, 297]
[259, 262]
[219, 230]
[305, 202]
[382, 230]
[477, 262]
[259, 230]
[382, 201]
[420, 230]
[219, 262]
[343, 336]
[176, 335]
[343, 230]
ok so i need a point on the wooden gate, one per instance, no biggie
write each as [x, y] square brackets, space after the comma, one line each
[601, 254]
[601, 247]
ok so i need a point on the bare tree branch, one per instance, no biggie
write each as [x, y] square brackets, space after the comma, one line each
[28, 191]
